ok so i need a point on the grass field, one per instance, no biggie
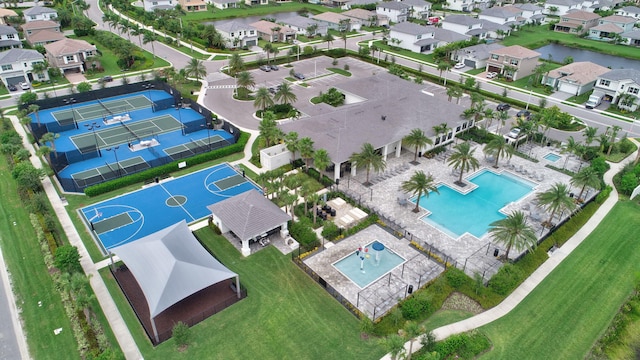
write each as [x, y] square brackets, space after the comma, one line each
[570, 309]
[285, 316]
[262, 10]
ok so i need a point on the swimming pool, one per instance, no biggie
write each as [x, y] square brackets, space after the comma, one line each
[455, 213]
[364, 272]
[552, 157]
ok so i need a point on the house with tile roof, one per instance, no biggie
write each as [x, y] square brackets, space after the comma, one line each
[9, 38]
[302, 25]
[16, 66]
[272, 32]
[577, 22]
[256, 2]
[238, 34]
[338, 22]
[576, 78]
[6, 13]
[69, 55]
[620, 84]
[478, 28]
[460, 5]
[39, 13]
[561, 7]
[152, 5]
[193, 5]
[41, 32]
[513, 62]
[532, 12]
[396, 11]
[225, 4]
[366, 17]
[610, 26]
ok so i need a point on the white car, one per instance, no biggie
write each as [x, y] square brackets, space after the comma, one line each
[491, 75]
[514, 133]
[25, 86]
[459, 65]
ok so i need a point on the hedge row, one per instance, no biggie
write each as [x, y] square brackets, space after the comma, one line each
[166, 169]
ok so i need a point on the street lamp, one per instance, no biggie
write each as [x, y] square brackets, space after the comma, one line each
[92, 127]
[148, 87]
[206, 125]
[70, 102]
[530, 91]
[178, 106]
[115, 152]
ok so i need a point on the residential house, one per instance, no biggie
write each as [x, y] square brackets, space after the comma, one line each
[369, 18]
[532, 12]
[338, 22]
[39, 13]
[193, 5]
[152, 5]
[502, 16]
[225, 4]
[630, 11]
[609, 26]
[576, 78]
[304, 25]
[606, 5]
[41, 32]
[69, 54]
[396, 11]
[272, 32]
[631, 38]
[16, 66]
[238, 34]
[422, 39]
[493, 30]
[561, 7]
[256, 2]
[460, 5]
[577, 22]
[475, 56]
[620, 84]
[463, 24]
[9, 38]
[349, 4]
[5, 14]
[513, 62]
[420, 9]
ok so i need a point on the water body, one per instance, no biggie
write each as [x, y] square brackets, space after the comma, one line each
[252, 19]
[560, 52]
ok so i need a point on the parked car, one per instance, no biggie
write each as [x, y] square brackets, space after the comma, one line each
[514, 133]
[272, 90]
[12, 87]
[265, 68]
[491, 75]
[298, 76]
[503, 107]
[275, 67]
[459, 65]
[594, 101]
[105, 79]
[524, 114]
[25, 86]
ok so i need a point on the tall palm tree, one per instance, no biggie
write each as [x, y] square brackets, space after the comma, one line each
[269, 129]
[418, 139]
[314, 198]
[263, 99]
[513, 232]
[34, 108]
[150, 37]
[394, 345]
[292, 143]
[419, 184]
[411, 331]
[586, 177]
[196, 69]
[368, 158]
[50, 138]
[236, 64]
[612, 136]
[321, 160]
[570, 148]
[245, 80]
[285, 95]
[328, 38]
[306, 150]
[499, 148]
[463, 160]
[556, 199]
[444, 66]
[268, 47]
[136, 30]
[589, 134]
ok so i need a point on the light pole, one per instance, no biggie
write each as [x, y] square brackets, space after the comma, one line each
[206, 125]
[178, 106]
[92, 127]
[148, 87]
[115, 153]
[70, 102]
[530, 91]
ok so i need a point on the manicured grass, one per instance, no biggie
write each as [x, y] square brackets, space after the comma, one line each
[444, 317]
[580, 99]
[537, 36]
[285, 316]
[340, 71]
[406, 53]
[569, 310]
[262, 10]
[30, 279]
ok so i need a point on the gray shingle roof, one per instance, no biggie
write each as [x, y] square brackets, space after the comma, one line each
[233, 26]
[7, 43]
[480, 51]
[447, 35]
[15, 55]
[393, 5]
[461, 19]
[300, 21]
[492, 26]
[410, 28]
[623, 74]
[633, 34]
[6, 30]
[529, 7]
[249, 214]
[497, 12]
[631, 9]
[417, 3]
[39, 10]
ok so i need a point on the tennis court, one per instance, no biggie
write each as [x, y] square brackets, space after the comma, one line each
[125, 133]
[109, 171]
[101, 109]
[132, 216]
[194, 147]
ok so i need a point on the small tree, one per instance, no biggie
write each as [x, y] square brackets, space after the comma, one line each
[83, 87]
[181, 334]
[67, 259]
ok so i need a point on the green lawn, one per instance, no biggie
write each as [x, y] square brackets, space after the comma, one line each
[285, 316]
[445, 317]
[537, 36]
[262, 10]
[571, 308]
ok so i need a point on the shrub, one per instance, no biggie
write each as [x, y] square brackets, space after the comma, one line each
[333, 97]
[628, 182]
[330, 230]
[414, 306]
[507, 278]
[67, 259]
[303, 232]
[181, 334]
[456, 277]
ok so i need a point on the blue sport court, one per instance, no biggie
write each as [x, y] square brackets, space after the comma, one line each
[455, 213]
[134, 215]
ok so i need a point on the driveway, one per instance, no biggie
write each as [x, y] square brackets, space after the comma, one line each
[75, 78]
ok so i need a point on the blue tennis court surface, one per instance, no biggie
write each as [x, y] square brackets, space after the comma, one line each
[132, 216]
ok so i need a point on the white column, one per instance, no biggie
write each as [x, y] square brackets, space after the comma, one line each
[245, 248]
[336, 171]
[385, 150]
[399, 148]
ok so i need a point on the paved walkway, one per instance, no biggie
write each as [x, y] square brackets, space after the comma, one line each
[540, 274]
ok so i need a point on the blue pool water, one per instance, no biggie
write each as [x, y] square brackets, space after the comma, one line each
[552, 157]
[454, 213]
[372, 270]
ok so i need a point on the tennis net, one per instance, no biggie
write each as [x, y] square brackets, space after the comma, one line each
[101, 104]
[129, 130]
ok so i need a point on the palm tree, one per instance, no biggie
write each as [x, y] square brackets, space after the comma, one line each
[343, 36]
[418, 139]
[454, 92]
[612, 136]
[245, 80]
[589, 134]
[513, 232]
[368, 158]
[292, 143]
[50, 138]
[263, 99]
[328, 38]
[321, 160]
[269, 129]
[314, 198]
[268, 47]
[444, 66]
[499, 148]
[411, 331]
[463, 160]
[136, 30]
[420, 183]
[394, 345]
[570, 148]
[46, 151]
[150, 37]
[306, 150]
[556, 199]
[34, 108]
[196, 69]
[236, 64]
[284, 95]
[586, 177]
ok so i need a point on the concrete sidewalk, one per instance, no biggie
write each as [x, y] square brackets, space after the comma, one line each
[540, 274]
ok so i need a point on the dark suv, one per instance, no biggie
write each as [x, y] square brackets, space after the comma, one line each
[503, 107]
[524, 114]
[105, 79]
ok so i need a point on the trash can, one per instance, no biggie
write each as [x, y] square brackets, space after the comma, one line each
[496, 252]
[410, 289]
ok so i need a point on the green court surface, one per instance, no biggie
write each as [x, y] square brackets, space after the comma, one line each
[126, 133]
[111, 223]
[110, 171]
[230, 182]
[102, 109]
[192, 147]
